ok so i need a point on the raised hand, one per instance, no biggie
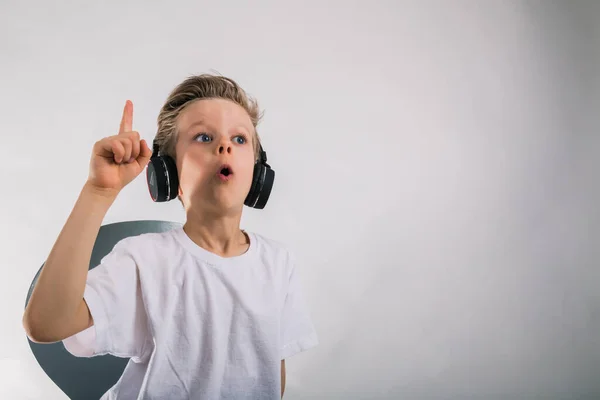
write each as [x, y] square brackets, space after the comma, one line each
[117, 160]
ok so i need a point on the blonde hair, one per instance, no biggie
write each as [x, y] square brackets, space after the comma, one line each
[205, 86]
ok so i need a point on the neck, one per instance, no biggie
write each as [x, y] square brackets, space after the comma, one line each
[220, 235]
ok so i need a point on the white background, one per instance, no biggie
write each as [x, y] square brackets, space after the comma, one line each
[437, 173]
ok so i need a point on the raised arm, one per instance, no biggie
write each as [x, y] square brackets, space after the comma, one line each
[56, 309]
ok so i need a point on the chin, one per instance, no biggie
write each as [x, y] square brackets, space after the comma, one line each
[220, 199]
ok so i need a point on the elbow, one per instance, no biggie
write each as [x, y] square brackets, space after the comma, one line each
[37, 332]
[39, 335]
[31, 329]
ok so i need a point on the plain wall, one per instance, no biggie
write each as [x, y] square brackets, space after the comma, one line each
[437, 174]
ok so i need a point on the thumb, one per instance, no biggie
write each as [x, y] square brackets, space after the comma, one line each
[145, 153]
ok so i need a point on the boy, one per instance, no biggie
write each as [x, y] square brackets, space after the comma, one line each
[206, 311]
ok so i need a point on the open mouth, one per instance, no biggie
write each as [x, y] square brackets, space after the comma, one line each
[225, 172]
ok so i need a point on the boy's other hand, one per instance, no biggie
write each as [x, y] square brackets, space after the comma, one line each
[117, 160]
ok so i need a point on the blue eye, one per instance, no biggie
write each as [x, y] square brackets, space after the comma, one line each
[203, 137]
[240, 139]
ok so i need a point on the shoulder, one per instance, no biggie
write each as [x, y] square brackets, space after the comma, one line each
[275, 251]
[267, 244]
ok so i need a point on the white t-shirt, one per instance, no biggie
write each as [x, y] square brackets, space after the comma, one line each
[195, 325]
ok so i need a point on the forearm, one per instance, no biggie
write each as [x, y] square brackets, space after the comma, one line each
[56, 301]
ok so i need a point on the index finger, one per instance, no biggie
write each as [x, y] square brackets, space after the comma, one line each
[127, 119]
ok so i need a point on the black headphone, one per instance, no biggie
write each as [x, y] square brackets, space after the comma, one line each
[163, 181]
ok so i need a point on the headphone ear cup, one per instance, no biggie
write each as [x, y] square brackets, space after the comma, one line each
[262, 183]
[172, 176]
[265, 190]
[155, 178]
[253, 193]
[162, 179]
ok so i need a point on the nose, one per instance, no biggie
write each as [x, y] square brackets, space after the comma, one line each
[224, 147]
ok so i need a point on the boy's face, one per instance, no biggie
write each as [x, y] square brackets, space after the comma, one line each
[213, 133]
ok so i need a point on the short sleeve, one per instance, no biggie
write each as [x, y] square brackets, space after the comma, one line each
[297, 330]
[113, 295]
